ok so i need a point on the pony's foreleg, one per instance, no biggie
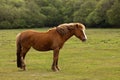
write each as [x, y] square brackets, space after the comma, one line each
[55, 60]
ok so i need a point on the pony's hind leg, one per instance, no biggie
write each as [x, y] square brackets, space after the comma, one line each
[23, 64]
[23, 53]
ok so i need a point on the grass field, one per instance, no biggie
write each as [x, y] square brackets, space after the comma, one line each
[96, 59]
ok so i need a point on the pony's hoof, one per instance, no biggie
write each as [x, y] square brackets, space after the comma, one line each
[23, 68]
[58, 68]
[55, 69]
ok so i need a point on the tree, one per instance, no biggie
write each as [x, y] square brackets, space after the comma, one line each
[49, 13]
[32, 15]
[113, 14]
[68, 10]
[53, 13]
[5, 24]
[98, 17]
[81, 14]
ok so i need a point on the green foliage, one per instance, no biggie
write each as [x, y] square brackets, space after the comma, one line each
[114, 13]
[85, 9]
[5, 24]
[98, 16]
[19, 23]
[39, 13]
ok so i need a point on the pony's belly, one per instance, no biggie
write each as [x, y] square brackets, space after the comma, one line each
[45, 48]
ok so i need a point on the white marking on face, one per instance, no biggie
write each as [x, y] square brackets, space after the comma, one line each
[84, 34]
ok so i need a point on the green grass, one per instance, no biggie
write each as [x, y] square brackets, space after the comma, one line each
[96, 59]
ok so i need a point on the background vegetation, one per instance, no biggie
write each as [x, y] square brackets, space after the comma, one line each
[39, 13]
[96, 59]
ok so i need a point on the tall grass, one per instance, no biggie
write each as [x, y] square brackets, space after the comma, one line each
[96, 59]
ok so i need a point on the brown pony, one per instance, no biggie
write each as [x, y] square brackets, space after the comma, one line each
[53, 39]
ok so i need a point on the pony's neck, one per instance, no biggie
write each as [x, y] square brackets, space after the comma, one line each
[67, 36]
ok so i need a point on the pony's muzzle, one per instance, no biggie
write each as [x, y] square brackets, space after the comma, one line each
[84, 39]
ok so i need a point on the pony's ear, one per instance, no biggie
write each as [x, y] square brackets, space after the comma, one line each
[77, 25]
[62, 30]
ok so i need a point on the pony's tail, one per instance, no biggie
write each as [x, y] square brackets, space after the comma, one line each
[18, 51]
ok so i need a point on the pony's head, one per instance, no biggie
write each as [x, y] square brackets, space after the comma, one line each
[79, 31]
[76, 29]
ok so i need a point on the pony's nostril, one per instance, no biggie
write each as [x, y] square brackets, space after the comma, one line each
[84, 40]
